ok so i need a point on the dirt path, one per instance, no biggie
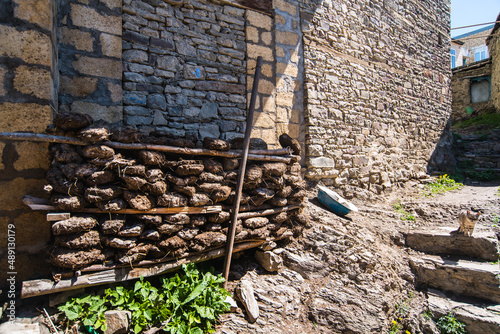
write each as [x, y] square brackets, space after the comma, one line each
[469, 194]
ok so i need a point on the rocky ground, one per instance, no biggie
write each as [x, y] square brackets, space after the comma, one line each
[346, 275]
[352, 275]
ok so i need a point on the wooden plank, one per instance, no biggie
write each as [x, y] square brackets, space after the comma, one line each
[40, 204]
[267, 212]
[46, 286]
[54, 217]
[264, 155]
[41, 137]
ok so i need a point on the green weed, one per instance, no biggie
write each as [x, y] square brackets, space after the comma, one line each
[448, 324]
[189, 304]
[442, 184]
[427, 315]
[491, 121]
[404, 215]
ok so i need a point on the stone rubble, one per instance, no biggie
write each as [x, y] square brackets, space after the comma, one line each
[245, 294]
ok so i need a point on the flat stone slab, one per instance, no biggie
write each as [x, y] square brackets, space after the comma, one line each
[446, 241]
[468, 278]
[479, 319]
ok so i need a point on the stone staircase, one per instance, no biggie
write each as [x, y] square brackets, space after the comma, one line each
[462, 275]
[478, 153]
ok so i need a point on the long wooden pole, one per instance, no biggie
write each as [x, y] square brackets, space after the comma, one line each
[241, 176]
[278, 155]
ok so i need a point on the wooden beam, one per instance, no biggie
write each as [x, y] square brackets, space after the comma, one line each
[55, 217]
[279, 155]
[41, 137]
[39, 204]
[46, 286]
[267, 212]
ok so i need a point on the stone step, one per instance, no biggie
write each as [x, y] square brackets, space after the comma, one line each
[478, 318]
[483, 244]
[468, 278]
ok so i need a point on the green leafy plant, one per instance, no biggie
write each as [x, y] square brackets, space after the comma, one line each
[88, 308]
[187, 304]
[448, 324]
[427, 315]
[194, 300]
[404, 215]
[442, 184]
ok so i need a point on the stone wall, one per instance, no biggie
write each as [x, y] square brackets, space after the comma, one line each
[377, 90]
[90, 50]
[189, 67]
[27, 98]
[185, 68]
[460, 86]
[364, 85]
[494, 49]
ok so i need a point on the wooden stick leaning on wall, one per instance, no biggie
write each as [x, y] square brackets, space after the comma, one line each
[278, 155]
[241, 174]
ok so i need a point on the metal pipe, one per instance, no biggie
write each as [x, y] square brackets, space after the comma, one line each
[241, 176]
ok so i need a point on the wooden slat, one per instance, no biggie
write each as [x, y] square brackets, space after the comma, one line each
[41, 204]
[264, 155]
[46, 286]
[54, 217]
[267, 212]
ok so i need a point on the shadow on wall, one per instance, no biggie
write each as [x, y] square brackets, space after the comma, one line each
[442, 158]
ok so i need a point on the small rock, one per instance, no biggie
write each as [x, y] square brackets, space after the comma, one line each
[245, 294]
[10, 327]
[117, 322]
[269, 260]
[267, 246]
[231, 302]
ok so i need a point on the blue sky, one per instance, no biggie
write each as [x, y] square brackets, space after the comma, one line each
[468, 12]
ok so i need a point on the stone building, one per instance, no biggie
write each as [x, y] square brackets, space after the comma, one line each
[493, 43]
[471, 90]
[475, 86]
[470, 47]
[364, 85]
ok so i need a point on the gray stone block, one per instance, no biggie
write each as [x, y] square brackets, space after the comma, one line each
[209, 130]
[139, 68]
[159, 118]
[135, 77]
[138, 120]
[322, 162]
[208, 111]
[174, 111]
[117, 322]
[169, 63]
[468, 278]
[134, 99]
[192, 112]
[157, 101]
[194, 72]
[446, 241]
[136, 111]
[135, 56]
